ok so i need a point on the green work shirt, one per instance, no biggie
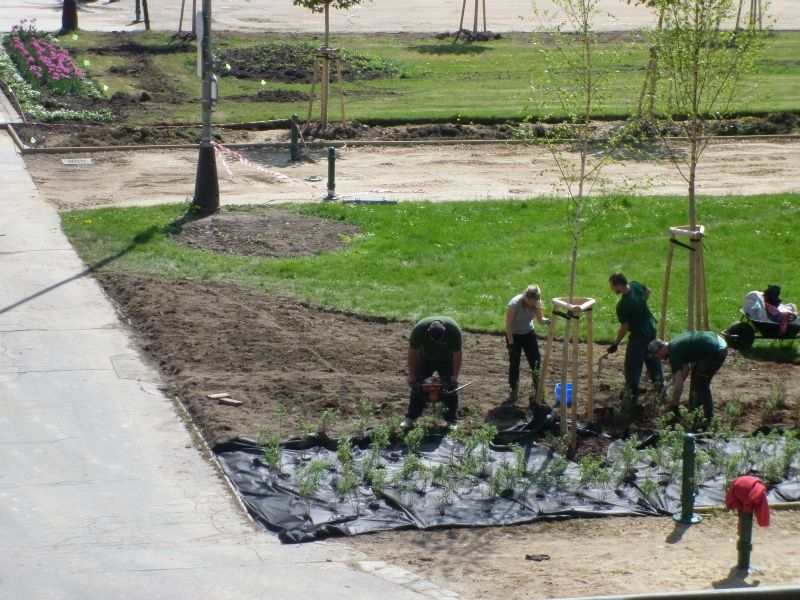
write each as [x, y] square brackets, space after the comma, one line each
[692, 346]
[428, 348]
[632, 309]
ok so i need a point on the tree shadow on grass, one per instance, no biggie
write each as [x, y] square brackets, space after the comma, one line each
[455, 49]
[139, 239]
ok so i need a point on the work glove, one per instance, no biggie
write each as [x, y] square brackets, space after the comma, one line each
[513, 350]
[612, 348]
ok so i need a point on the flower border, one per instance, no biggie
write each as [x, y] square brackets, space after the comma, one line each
[29, 98]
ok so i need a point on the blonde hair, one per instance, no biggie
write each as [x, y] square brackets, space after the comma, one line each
[533, 292]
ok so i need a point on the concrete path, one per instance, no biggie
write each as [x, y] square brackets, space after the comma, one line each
[103, 491]
[375, 15]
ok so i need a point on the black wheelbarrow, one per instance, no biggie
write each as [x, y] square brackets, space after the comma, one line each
[755, 323]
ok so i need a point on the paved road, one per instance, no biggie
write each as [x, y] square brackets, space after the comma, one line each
[378, 15]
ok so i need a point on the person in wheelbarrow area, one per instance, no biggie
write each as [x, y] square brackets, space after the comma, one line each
[700, 353]
[637, 322]
[434, 347]
[520, 337]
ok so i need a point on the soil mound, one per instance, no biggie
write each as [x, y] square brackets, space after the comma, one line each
[273, 232]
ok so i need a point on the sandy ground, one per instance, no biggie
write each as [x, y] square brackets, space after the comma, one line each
[593, 558]
[378, 15]
[459, 172]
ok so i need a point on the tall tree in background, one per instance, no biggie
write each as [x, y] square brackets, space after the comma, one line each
[701, 65]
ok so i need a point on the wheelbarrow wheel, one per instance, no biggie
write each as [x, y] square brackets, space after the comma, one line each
[740, 336]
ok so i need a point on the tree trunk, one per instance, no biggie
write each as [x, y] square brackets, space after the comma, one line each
[69, 15]
[651, 76]
[691, 292]
[461, 22]
[327, 24]
[326, 74]
[146, 12]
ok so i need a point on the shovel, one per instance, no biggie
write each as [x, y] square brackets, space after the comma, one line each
[600, 363]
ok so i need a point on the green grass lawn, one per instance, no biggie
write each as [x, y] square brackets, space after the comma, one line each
[466, 259]
[437, 79]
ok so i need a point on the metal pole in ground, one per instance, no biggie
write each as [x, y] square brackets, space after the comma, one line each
[745, 545]
[331, 174]
[688, 484]
[294, 148]
[137, 12]
[147, 15]
[206, 184]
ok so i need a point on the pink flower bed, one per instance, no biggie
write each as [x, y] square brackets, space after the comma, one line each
[41, 61]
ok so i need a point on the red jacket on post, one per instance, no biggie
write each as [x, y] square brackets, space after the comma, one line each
[749, 494]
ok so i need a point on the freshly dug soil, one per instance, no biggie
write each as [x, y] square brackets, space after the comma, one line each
[270, 350]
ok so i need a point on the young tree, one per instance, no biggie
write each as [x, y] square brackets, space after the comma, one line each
[648, 92]
[324, 6]
[701, 65]
[578, 74]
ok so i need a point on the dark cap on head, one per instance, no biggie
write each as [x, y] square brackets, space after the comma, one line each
[772, 295]
[436, 330]
[655, 346]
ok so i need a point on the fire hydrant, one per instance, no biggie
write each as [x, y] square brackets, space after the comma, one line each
[748, 495]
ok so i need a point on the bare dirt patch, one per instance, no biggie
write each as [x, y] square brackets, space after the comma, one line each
[264, 234]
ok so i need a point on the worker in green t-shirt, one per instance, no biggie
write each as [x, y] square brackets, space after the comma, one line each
[434, 347]
[700, 353]
[637, 322]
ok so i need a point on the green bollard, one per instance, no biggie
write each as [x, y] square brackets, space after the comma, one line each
[294, 148]
[331, 174]
[688, 484]
[745, 543]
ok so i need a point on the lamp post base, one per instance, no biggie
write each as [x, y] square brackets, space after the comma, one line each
[206, 184]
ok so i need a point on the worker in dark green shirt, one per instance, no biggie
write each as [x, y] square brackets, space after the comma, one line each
[637, 322]
[434, 347]
[700, 353]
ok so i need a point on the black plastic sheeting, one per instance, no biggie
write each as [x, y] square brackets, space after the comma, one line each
[275, 502]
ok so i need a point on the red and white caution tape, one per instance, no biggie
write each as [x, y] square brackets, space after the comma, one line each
[222, 152]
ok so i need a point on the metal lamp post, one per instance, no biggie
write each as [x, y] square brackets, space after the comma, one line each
[206, 184]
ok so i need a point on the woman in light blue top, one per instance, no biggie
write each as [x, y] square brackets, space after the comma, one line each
[520, 337]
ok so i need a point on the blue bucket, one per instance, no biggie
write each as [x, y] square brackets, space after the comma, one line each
[569, 394]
